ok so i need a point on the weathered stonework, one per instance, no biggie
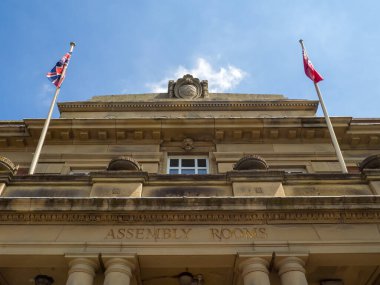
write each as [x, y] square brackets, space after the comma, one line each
[269, 202]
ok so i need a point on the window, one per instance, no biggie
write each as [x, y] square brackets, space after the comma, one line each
[187, 165]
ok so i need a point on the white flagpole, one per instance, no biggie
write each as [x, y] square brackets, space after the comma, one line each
[329, 126]
[331, 131]
[47, 121]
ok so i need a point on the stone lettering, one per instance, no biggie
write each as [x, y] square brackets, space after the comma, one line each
[251, 233]
[186, 233]
[120, 233]
[110, 234]
[129, 234]
[226, 233]
[238, 233]
[215, 234]
[263, 232]
[148, 234]
[152, 234]
[139, 233]
[167, 233]
[218, 233]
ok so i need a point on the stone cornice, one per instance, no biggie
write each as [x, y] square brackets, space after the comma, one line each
[181, 105]
[153, 211]
[231, 176]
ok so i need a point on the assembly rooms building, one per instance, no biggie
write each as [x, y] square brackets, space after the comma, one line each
[190, 187]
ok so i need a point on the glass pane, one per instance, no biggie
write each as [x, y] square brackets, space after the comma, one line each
[188, 171]
[202, 162]
[188, 162]
[174, 162]
[202, 171]
[173, 171]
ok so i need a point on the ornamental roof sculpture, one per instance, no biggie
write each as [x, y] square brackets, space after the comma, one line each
[188, 87]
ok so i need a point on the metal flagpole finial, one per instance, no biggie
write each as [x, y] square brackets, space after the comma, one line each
[301, 42]
[72, 45]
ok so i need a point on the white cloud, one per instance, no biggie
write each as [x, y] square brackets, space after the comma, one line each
[219, 80]
[46, 94]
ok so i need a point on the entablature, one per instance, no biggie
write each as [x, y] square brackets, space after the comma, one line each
[351, 132]
[189, 211]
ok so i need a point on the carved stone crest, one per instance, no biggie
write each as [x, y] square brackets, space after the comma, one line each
[188, 144]
[188, 87]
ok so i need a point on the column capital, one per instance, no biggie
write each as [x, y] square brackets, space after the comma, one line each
[291, 268]
[82, 263]
[118, 264]
[290, 263]
[254, 264]
[119, 268]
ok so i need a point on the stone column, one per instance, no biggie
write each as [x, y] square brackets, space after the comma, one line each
[118, 271]
[255, 271]
[82, 271]
[291, 270]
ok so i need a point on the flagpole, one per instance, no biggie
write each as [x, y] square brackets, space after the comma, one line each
[329, 125]
[331, 131]
[47, 121]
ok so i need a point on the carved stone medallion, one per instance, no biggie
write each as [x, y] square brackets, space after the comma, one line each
[188, 144]
[188, 87]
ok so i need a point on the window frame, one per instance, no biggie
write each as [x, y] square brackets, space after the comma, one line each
[196, 168]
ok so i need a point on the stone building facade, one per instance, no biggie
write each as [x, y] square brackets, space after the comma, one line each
[190, 187]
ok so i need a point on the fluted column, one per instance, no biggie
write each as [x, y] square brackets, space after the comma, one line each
[82, 271]
[291, 270]
[255, 271]
[118, 271]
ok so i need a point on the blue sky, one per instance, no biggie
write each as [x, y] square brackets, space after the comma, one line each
[241, 46]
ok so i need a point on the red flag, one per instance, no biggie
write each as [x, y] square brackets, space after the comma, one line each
[309, 68]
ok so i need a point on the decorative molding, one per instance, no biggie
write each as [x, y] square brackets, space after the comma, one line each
[174, 105]
[194, 218]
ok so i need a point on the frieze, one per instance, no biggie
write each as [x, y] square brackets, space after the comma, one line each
[188, 105]
[201, 218]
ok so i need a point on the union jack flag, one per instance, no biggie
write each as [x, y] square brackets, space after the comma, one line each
[55, 75]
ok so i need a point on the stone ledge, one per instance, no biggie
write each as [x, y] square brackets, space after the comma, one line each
[188, 204]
